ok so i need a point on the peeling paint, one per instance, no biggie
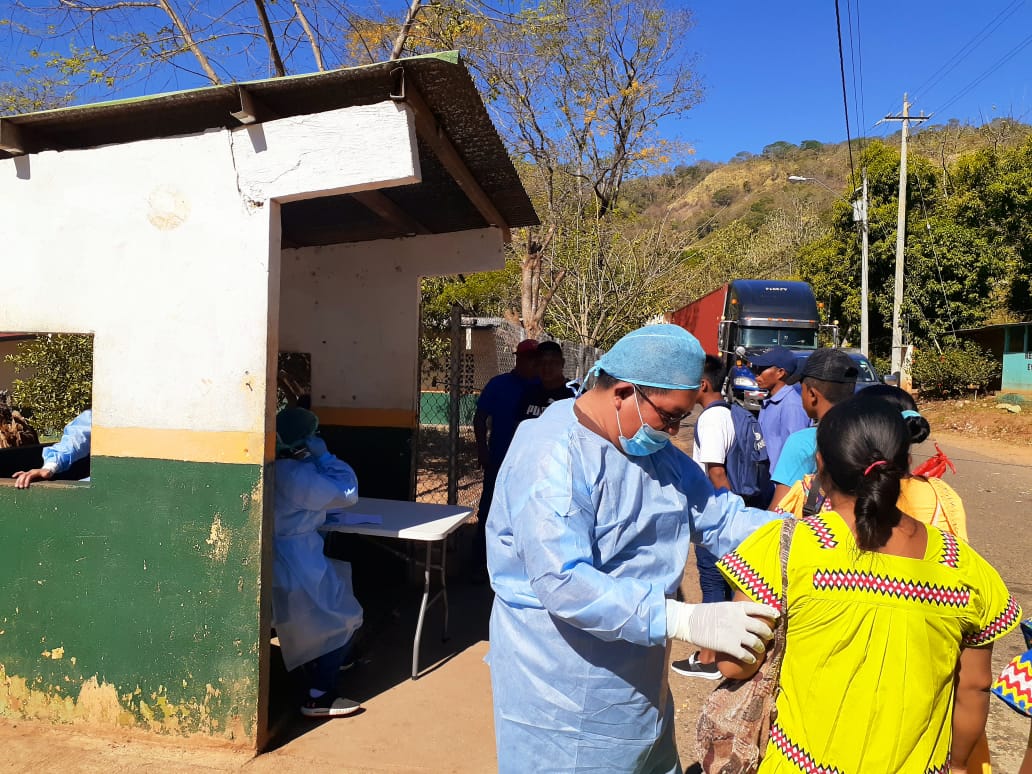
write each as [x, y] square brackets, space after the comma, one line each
[99, 704]
[219, 539]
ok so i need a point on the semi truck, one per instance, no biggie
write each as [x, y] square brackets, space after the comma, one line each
[745, 317]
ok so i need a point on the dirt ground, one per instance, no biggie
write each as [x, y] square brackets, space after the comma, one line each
[981, 418]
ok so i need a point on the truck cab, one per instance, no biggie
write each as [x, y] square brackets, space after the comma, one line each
[758, 315]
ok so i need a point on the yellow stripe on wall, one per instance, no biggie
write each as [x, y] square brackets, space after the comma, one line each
[186, 445]
[365, 417]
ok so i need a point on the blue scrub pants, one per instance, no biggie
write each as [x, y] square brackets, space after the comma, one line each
[320, 674]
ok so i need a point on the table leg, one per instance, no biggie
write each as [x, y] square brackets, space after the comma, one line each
[444, 586]
[422, 612]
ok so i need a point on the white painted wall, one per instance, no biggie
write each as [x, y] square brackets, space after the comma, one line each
[355, 308]
[161, 248]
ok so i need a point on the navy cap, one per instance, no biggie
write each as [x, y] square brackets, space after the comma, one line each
[779, 357]
[828, 365]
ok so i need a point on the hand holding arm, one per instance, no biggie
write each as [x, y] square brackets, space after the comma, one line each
[735, 628]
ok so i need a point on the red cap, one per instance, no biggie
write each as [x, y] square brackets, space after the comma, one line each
[526, 346]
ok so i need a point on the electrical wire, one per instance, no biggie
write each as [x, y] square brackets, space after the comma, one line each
[845, 94]
[935, 254]
[992, 69]
[964, 51]
[856, 62]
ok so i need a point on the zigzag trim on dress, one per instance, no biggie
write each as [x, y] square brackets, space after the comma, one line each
[855, 580]
[950, 550]
[797, 755]
[821, 530]
[998, 626]
[749, 580]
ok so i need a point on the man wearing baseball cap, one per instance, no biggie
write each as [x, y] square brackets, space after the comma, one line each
[782, 413]
[498, 406]
[827, 378]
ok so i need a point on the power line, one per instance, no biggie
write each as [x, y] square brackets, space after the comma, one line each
[855, 50]
[996, 66]
[845, 95]
[964, 51]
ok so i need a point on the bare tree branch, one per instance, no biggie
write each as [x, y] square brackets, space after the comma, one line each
[270, 39]
[406, 29]
[316, 48]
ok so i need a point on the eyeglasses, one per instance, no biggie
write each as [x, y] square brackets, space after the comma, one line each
[668, 419]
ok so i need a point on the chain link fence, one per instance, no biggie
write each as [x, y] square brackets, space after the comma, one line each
[474, 351]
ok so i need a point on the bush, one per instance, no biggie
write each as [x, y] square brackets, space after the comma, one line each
[954, 371]
[61, 384]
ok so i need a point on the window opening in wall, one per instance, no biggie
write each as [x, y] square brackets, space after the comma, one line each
[46, 393]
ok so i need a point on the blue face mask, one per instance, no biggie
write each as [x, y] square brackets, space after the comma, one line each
[648, 440]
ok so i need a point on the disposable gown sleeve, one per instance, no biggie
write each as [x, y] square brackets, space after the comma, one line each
[552, 531]
[73, 446]
[326, 482]
[721, 520]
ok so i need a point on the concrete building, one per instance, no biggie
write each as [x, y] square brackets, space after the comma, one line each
[195, 235]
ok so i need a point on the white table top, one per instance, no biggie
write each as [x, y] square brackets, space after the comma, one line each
[403, 519]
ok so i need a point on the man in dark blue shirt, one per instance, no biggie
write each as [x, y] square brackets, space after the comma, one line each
[498, 405]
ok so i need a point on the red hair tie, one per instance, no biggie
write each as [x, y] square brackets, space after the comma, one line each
[873, 465]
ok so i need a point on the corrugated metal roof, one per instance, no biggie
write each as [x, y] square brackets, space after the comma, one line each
[438, 202]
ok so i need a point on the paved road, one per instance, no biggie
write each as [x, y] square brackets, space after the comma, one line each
[995, 483]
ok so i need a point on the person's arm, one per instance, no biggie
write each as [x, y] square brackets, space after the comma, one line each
[480, 433]
[717, 474]
[715, 432]
[73, 446]
[970, 703]
[720, 519]
[780, 490]
[734, 668]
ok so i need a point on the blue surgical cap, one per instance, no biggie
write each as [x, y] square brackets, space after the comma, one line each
[663, 356]
[293, 426]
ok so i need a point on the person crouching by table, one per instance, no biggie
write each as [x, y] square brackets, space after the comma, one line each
[314, 609]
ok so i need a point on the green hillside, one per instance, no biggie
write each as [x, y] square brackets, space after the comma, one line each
[969, 244]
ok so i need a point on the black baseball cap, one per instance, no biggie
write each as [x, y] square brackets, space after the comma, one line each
[828, 365]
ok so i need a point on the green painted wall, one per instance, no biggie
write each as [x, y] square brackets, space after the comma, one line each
[133, 599]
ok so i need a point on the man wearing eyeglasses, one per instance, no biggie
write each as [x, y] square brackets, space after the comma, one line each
[593, 516]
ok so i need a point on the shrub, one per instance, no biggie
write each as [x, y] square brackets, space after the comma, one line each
[61, 382]
[954, 371]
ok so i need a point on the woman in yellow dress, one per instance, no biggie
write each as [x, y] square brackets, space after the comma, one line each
[890, 622]
[929, 500]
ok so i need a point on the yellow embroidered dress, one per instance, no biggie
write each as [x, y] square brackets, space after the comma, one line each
[873, 641]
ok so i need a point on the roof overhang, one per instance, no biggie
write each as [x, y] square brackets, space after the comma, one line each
[468, 179]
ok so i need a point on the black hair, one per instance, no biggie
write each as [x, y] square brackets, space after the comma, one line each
[865, 446]
[902, 400]
[833, 392]
[604, 381]
[714, 372]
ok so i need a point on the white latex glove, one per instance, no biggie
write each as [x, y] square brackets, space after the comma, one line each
[726, 627]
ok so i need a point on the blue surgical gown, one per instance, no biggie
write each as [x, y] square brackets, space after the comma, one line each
[314, 608]
[73, 446]
[585, 545]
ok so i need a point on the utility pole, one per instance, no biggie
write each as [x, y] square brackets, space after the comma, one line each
[901, 233]
[860, 216]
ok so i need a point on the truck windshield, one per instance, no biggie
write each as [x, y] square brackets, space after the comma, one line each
[797, 338]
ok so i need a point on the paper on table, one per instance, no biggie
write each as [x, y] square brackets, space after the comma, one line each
[351, 518]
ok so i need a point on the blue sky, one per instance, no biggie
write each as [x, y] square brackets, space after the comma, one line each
[771, 70]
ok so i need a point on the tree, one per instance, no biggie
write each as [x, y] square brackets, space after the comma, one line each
[58, 381]
[582, 111]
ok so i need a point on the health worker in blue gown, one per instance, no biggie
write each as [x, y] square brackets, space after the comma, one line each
[593, 515]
